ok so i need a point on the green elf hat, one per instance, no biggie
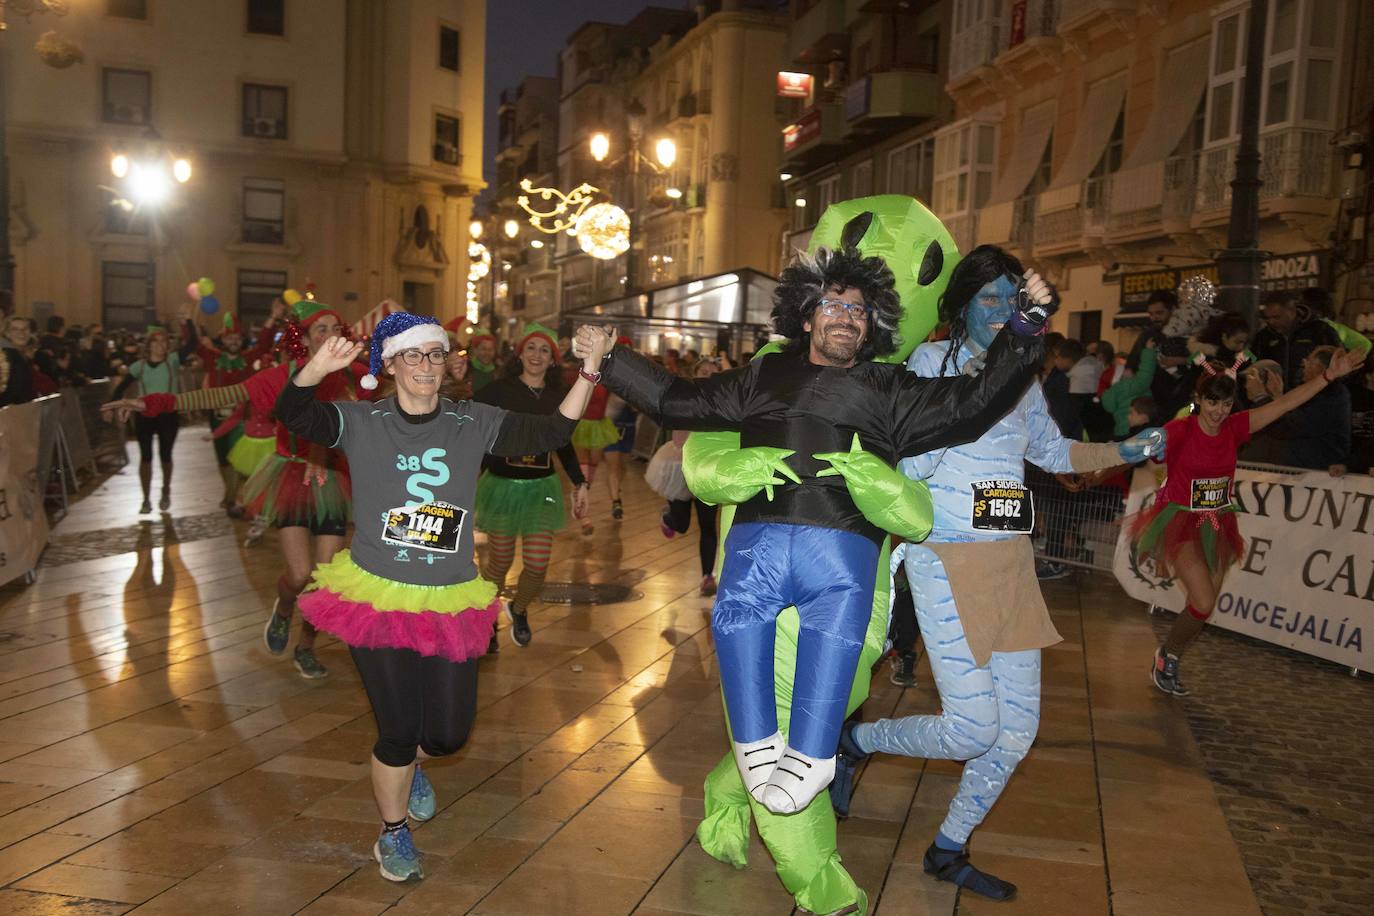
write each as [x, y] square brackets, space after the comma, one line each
[534, 330]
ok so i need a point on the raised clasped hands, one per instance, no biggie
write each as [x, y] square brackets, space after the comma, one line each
[591, 344]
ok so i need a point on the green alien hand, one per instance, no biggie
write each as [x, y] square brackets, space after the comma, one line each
[720, 472]
[885, 496]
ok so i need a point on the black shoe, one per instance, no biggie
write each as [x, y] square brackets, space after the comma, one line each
[519, 627]
[954, 867]
[842, 786]
[848, 746]
[903, 670]
[617, 510]
[493, 644]
[1164, 674]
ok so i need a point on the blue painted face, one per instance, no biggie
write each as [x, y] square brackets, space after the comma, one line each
[990, 309]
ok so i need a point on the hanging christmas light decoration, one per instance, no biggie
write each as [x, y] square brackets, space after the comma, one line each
[564, 210]
[479, 257]
[603, 231]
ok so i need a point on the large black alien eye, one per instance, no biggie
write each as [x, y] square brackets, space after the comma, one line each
[855, 229]
[932, 264]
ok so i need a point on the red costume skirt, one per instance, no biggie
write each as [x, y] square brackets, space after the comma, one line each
[1162, 530]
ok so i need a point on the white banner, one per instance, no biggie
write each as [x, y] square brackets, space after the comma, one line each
[1306, 580]
[23, 525]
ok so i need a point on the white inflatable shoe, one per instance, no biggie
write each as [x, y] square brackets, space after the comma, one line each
[795, 781]
[756, 760]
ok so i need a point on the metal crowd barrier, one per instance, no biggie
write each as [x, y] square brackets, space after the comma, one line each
[107, 440]
[1080, 528]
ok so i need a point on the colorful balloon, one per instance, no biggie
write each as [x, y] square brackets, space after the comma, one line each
[290, 297]
[193, 290]
[209, 305]
[206, 286]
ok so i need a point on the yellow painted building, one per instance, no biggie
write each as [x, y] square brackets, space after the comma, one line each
[1096, 139]
[337, 141]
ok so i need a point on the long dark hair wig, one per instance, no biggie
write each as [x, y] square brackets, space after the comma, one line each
[553, 376]
[979, 267]
[805, 282]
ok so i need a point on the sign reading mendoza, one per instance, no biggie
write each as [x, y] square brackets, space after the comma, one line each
[1306, 580]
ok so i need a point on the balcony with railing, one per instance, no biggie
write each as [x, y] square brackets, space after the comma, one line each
[1295, 163]
[1086, 18]
[1033, 41]
[1024, 228]
[1077, 227]
[892, 97]
[818, 132]
[975, 47]
[818, 32]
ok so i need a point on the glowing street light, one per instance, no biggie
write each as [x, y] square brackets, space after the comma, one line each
[600, 146]
[149, 184]
[512, 228]
[119, 165]
[666, 151]
[674, 193]
[536, 243]
[800, 201]
[181, 171]
[475, 229]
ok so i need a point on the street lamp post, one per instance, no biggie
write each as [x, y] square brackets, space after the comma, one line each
[665, 151]
[1238, 266]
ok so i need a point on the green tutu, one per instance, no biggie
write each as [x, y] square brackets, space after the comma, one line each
[249, 452]
[511, 507]
[595, 433]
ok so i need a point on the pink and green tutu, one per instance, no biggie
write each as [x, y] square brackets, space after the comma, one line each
[367, 611]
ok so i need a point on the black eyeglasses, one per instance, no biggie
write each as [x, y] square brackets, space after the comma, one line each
[415, 357]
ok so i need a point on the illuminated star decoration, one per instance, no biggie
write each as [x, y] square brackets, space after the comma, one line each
[564, 211]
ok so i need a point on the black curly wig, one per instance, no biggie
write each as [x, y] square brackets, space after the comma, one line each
[805, 282]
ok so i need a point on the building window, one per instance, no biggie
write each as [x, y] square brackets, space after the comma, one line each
[267, 17]
[264, 211]
[1109, 164]
[258, 289]
[1299, 67]
[127, 96]
[264, 111]
[911, 169]
[446, 140]
[964, 157]
[861, 181]
[127, 9]
[126, 294]
[448, 48]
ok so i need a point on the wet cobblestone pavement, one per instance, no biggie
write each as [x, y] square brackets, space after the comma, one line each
[1288, 742]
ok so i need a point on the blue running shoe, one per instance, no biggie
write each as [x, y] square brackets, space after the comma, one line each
[395, 852]
[422, 802]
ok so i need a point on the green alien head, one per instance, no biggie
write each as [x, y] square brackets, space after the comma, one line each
[914, 243]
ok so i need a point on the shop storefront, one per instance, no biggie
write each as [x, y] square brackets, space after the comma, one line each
[727, 312]
[1294, 272]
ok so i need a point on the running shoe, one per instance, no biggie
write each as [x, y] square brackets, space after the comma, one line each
[397, 856]
[1164, 674]
[617, 510]
[422, 801]
[255, 532]
[145, 508]
[1047, 570]
[165, 502]
[519, 627]
[588, 529]
[903, 670]
[666, 528]
[277, 633]
[708, 585]
[309, 666]
[493, 644]
[953, 866]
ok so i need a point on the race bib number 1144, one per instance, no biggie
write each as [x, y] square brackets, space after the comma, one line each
[431, 526]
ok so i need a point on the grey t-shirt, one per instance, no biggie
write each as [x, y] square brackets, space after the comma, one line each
[414, 485]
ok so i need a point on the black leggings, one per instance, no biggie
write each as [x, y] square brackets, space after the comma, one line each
[165, 427]
[418, 701]
[678, 515]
